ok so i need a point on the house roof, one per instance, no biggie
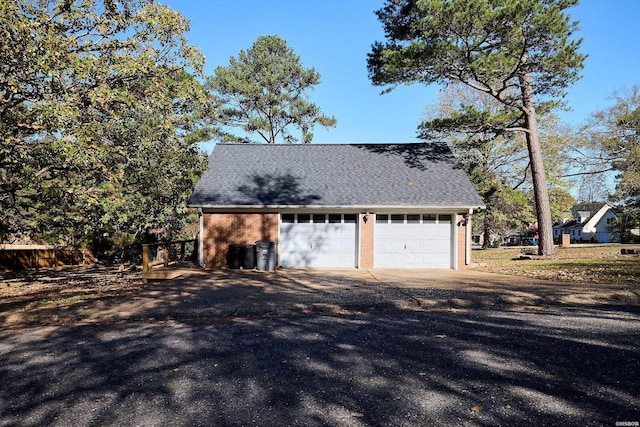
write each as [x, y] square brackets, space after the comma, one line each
[424, 175]
[589, 224]
[568, 225]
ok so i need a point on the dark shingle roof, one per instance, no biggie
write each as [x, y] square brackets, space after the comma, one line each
[334, 175]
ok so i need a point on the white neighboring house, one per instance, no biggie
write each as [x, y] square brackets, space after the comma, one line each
[587, 227]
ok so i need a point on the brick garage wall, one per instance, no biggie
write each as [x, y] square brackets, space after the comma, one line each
[366, 241]
[462, 242]
[222, 230]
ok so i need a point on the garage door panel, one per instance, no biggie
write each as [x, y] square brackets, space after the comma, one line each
[340, 246]
[412, 241]
[443, 232]
[414, 245]
[414, 260]
[318, 244]
[388, 231]
[390, 260]
[390, 245]
[334, 245]
[425, 232]
[427, 246]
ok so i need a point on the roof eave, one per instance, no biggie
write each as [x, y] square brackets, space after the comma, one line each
[319, 208]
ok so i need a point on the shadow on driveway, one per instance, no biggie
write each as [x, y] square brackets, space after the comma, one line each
[328, 348]
[225, 294]
[573, 367]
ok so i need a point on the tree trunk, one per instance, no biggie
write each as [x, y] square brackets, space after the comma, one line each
[540, 191]
[487, 243]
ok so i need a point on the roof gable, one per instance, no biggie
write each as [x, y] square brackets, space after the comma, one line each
[590, 224]
[595, 219]
[334, 175]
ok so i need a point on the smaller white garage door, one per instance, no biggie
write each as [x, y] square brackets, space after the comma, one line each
[412, 241]
[317, 240]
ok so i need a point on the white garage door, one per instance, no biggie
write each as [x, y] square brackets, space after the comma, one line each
[412, 241]
[317, 240]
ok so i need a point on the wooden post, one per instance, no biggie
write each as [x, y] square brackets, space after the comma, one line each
[145, 258]
[165, 255]
[182, 244]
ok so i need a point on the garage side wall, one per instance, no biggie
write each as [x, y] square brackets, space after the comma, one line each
[462, 242]
[222, 230]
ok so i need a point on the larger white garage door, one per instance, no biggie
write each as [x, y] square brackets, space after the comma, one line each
[317, 240]
[412, 241]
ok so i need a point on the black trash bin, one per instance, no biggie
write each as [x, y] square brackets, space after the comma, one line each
[249, 257]
[234, 256]
[266, 255]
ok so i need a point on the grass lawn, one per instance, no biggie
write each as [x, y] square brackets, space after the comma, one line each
[577, 263]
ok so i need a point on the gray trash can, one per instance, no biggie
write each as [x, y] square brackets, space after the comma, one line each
[266, 255]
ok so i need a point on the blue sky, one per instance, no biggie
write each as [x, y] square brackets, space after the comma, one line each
[334, 37]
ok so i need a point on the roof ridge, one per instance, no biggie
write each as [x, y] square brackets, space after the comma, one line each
[229, 144]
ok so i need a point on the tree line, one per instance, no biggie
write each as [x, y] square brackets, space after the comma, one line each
[103, 105]
[505, 66]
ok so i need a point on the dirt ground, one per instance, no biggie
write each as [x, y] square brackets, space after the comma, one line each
[100, 294]
[30, 291]
[47, 284]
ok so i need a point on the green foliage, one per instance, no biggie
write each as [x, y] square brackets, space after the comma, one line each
[617, 134]
[99, 105]
[263, 93]
[487, 44]
[626, 226]
[558, 144]
[497, 161]
[519, 52]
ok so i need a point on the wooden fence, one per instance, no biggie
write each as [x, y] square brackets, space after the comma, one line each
[20, 257]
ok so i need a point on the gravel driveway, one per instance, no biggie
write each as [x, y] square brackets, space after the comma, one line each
[320, 347]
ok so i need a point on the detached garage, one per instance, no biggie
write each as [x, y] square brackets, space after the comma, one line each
[338, 205]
